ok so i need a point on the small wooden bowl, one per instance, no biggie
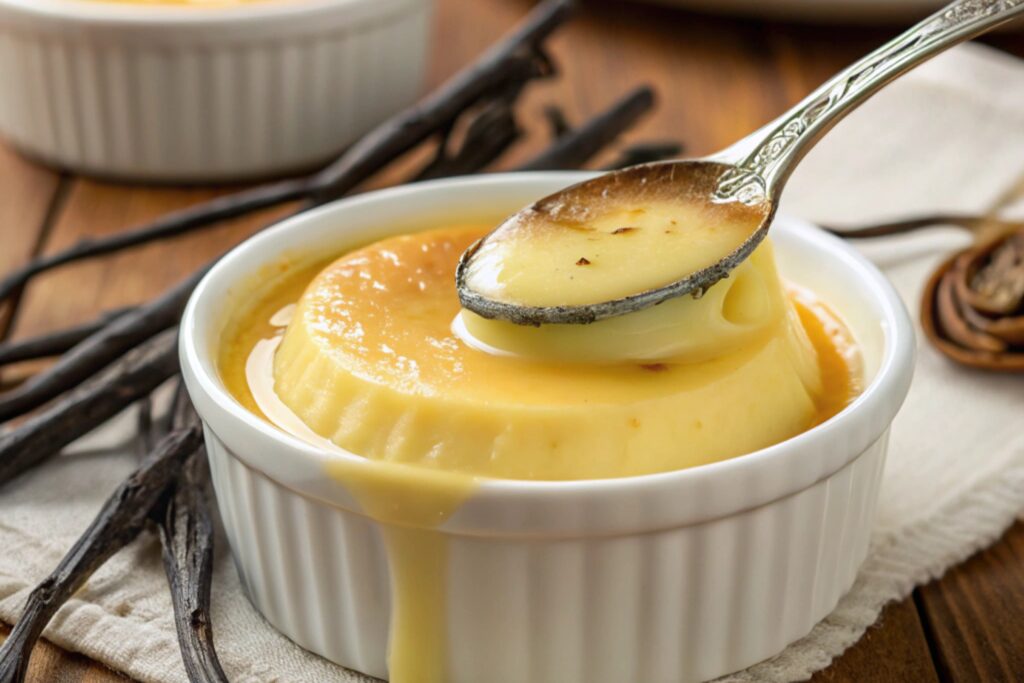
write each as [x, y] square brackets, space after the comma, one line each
[961, 332]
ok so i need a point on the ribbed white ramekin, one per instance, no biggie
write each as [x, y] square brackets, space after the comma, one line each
[203, 93]
[673, 577]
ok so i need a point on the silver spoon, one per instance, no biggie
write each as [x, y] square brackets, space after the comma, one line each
[741, 184]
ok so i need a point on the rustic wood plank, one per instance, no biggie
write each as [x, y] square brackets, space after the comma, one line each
[894, 650]
[974, 615]
[27, 192]
[51, 664]
[714, 79]
[80, 291]
[77, 292]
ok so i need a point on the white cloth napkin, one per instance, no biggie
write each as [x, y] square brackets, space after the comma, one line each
[948, 137]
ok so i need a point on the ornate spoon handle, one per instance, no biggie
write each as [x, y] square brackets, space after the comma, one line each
[761, 171]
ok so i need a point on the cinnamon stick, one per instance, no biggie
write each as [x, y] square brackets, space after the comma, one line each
[992, 278]
[972, 309]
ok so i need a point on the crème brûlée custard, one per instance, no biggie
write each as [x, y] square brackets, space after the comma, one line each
[373, 355]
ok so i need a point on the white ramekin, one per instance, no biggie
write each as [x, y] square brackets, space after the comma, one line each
[672, 577]
[203, 93]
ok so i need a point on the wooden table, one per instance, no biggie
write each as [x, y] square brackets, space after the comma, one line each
[718, 79]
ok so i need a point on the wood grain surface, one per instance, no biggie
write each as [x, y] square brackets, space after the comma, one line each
[717, 79]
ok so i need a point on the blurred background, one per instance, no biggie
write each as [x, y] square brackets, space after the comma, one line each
[719, 68]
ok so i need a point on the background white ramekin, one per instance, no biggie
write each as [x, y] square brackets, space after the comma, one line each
[672, 577]
[198, 94]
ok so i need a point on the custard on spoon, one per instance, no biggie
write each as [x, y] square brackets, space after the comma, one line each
[631, 239]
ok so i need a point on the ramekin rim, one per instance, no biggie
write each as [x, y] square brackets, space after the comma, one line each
[892, 377]
[110, 12]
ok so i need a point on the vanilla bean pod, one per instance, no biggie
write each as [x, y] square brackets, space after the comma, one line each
[56, 342]
[510, 63]
[80, 414]
[579, 145]
[972, 223]
[187, 538]
[389, 140]
[502, 67]
[99, 350]
[489, 135]
[173, 224]
[62, 421]
[125, 332]
[186, 528]
[557, 121]
[119, 521]
[645, 153]
[404, 131]
[135, 375]
[181, 406]
[145, 426]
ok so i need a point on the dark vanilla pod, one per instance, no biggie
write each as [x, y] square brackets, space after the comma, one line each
[119, 521]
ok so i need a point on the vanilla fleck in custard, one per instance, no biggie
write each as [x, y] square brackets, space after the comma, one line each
[588, 245]
[373, 355]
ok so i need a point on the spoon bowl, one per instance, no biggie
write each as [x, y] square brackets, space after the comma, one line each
[631, 239]
[611, 245]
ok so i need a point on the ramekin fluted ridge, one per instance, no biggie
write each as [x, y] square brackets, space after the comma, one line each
[676, 605]
[202, 94]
